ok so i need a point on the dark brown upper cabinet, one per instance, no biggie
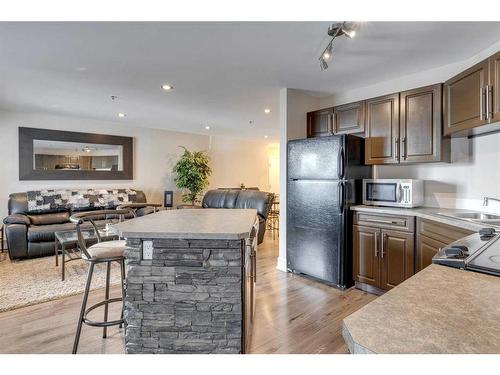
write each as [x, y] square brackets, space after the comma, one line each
[465, 99]
[382, 130]
[472, 99]
[349, 118]
[420, 127]
[320, 123]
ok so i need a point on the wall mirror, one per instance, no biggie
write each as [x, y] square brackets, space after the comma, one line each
[60, 155]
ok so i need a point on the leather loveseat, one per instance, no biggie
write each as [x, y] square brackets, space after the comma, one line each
[34, 217]
[234, 198]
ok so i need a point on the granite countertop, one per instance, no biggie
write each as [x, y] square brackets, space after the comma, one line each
[439, 310]
[430, 213]
[207, 223]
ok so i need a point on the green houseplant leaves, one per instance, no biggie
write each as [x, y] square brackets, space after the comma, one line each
[192, 172]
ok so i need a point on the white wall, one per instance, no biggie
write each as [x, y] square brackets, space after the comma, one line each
[294, 105]
[237, 161]
[155, 152]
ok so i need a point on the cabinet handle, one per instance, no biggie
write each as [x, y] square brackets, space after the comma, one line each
[376, 244]
[330, 124]
[403, 141]
[482, 102]
[396, 148]
[383, 240]
[489, 102]
[383, 222]
[334, 124]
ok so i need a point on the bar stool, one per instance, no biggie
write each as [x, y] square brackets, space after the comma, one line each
[101, 252]
[134, 207]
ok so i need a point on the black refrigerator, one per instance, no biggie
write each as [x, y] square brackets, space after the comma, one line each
[324, 179]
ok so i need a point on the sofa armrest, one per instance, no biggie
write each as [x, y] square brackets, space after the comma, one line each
[17, 240]
[17, 219]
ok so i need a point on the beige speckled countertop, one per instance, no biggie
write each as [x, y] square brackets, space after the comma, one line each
[207, 223]
[430, 213]
[438, 310]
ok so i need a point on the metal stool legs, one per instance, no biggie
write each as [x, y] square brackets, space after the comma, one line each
[84, 305]
[84, 311]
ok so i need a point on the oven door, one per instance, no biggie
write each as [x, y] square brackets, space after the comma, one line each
[382, 193]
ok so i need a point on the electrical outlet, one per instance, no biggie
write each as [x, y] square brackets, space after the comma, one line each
[147, 249]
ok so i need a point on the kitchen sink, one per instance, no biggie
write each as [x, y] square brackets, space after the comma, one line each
[478, 217]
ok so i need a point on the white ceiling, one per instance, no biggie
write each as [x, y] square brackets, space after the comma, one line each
[224, 74]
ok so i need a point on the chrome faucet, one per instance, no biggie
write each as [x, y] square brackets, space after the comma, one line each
[487, 199]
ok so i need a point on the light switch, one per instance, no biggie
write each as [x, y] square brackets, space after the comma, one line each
[147, 249]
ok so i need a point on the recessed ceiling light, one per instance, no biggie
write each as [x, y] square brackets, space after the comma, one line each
[167, 87]
[266, 137]
[122, 114]
[207, 127]
[267, 111]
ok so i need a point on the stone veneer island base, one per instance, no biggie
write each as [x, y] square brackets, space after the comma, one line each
[194, 292]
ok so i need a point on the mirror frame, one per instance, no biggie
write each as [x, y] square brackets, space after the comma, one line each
[26, 167]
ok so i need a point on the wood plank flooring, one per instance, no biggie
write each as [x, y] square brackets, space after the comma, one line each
[293, 315]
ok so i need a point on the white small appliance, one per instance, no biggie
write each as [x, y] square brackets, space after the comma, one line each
[405, 193]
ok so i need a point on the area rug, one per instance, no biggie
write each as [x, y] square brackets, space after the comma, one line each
[32, 281]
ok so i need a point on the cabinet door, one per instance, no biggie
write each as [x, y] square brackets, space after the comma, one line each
[495, 83]
[320, 123]
[426, 249]
[420, 125]
[349, 118]
[382, 130]
[366, 265]
[465, 99]
[396, 256]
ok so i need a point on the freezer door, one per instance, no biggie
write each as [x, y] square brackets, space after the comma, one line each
[316, 158]
[315, 222]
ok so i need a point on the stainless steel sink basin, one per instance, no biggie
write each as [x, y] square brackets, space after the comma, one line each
[478, 217]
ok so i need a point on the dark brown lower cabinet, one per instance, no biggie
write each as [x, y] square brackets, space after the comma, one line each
[383, 254]
[396, 256]
[366, 255]
[431, 236]
[426, 249]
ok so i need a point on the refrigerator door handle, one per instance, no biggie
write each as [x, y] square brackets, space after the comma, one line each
[341, 194]
[340, 164]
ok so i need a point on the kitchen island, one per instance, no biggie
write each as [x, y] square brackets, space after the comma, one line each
[189, 282]
[438, 310]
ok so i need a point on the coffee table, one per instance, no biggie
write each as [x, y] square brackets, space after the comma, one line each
[66, 243]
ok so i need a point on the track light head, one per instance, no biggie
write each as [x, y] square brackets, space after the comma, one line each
[323, 65]
[341, 29]
[348, 33]
[327, 55]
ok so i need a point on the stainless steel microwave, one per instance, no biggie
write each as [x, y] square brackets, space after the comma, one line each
[393, 192]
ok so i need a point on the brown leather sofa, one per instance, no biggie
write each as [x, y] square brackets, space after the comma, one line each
[31, 232]
[238, 198]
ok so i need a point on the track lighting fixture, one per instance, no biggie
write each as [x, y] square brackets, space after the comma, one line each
[334, 31]
[322, 63]
[328, 52]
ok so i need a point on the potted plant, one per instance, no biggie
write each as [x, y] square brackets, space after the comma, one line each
[191, 174]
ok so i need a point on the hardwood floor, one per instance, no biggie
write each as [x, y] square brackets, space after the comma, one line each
[293, 315]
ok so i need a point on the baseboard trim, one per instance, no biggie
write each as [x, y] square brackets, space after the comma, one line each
[281, 264]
